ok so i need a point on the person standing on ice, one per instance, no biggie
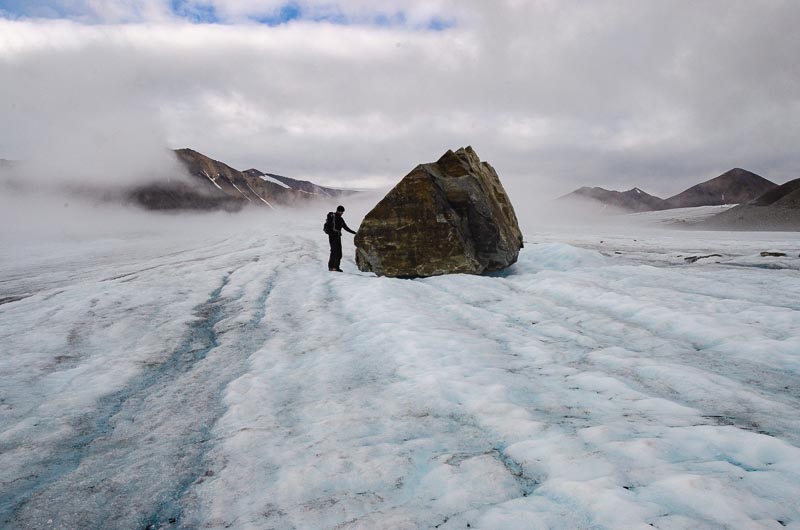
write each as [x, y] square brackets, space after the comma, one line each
[334, 224]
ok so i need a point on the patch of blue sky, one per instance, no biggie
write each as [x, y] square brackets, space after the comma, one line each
[286, 13]
[195, 12]
[292, 11]
[33, 8]
[390, 20]
[440, 24]
[200, 12]
[399, 19]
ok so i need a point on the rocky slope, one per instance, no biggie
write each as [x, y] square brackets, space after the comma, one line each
[216, 185]
[736, 186]
[784, 196]
[777, 209]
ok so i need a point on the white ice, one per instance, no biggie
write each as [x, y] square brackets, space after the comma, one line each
[230, 381]
[674, 216]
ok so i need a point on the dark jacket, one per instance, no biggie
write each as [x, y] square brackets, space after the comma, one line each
[339, 225]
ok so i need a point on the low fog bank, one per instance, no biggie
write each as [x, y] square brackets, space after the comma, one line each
[90, 142]
[120, 167]
[538, 208]
[49, 216]
[98, 176]
[540, 212]
[26, 216]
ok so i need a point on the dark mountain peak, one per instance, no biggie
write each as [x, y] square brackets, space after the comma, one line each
[637, 192]
[738, 175]
[188, 150]
[735, 186]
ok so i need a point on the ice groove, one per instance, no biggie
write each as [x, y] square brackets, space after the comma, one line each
[23, 508]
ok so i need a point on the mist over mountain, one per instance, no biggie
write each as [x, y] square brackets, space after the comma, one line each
[189, 181]
[633, 200]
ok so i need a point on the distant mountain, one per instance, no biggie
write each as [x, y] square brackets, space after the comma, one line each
[219, 186]
[633, 200]
[777, 209]
[737, 186]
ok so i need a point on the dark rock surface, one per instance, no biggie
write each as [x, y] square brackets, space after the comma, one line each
[737, 186]
[694, 259]
[451, 216]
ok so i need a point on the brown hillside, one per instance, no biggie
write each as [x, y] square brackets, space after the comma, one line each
[737, 186]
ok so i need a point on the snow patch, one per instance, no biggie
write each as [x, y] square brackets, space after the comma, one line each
[211, 179]
[267, 178]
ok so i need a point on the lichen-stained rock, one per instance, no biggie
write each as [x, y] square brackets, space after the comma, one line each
[450, 216]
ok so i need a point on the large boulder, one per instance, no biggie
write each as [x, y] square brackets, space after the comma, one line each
[450, 216]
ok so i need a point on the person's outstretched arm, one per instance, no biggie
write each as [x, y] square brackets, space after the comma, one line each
[344, 225]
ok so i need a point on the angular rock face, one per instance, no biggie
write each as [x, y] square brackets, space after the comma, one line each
[452, 216]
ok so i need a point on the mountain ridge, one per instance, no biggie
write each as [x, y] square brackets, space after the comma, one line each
[216, 185]
[735, 186]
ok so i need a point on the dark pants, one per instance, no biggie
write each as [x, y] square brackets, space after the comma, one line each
[336, 250]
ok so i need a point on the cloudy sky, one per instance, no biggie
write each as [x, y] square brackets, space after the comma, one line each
[555, 94]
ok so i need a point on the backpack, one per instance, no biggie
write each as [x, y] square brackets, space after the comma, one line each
[329, 225]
